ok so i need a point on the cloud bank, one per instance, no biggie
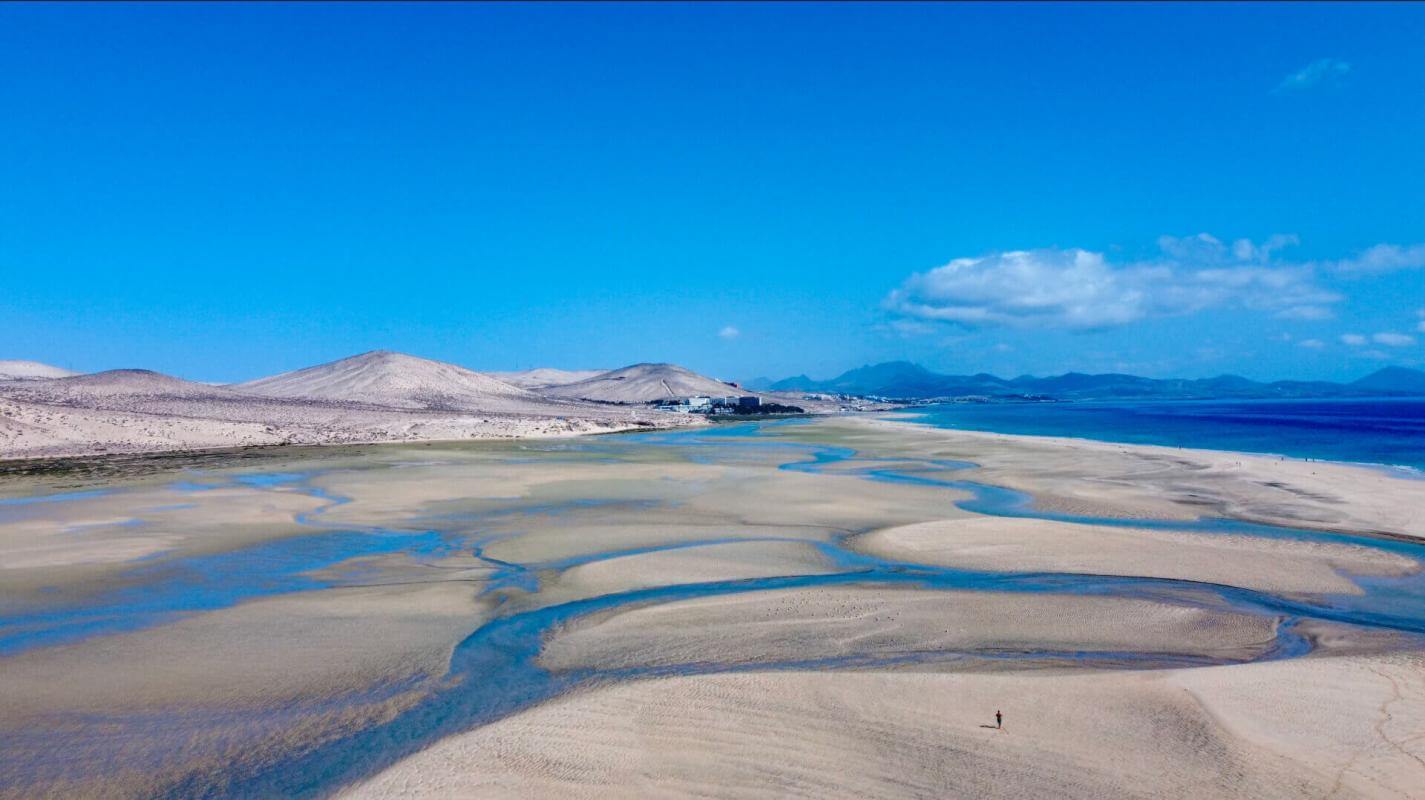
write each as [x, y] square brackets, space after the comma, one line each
[1387, 338]
[1078, 289]
[1383, 258]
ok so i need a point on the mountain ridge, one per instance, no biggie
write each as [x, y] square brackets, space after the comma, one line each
[907, 380]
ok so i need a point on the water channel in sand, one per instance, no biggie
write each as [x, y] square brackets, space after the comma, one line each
[495, 671]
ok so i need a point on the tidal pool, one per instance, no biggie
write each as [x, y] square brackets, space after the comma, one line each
[517, 526]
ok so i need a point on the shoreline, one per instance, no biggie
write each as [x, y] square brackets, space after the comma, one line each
[893, 416]
[829, 556]
[8, 463]
[1404, 471]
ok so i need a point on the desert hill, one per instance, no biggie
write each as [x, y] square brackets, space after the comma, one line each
[395, 380]
[373, 397]
[124, 388]
[642, 383]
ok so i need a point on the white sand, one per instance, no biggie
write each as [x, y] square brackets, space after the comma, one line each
[842, 621]
[1080, 476]
[1300, 729]
[261, 653]
[1032, 545]
[212, 689]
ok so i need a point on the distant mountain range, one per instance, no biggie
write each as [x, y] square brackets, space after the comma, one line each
[902, 379]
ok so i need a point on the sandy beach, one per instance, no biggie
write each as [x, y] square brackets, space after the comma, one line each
[812, 609]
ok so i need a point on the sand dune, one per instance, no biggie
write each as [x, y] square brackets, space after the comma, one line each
[642, 383]
[30, 370]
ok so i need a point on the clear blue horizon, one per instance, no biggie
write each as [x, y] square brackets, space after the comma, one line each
[225, 191]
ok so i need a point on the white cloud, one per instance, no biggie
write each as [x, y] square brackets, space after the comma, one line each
[1378, 355]
[1245, 250]
[729, 332]
[1393, 339]
[1325, 70]
[1353, 339]
[1383, 258]
[1420, 326]
[1080, 289]
[1306, 312]
[1312, 344]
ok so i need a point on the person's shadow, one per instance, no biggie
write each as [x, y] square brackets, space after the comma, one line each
[991, 727]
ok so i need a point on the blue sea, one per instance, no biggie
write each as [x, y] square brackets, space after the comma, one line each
[1389, 432]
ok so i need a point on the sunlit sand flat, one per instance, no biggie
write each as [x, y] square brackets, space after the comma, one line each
[828, 608]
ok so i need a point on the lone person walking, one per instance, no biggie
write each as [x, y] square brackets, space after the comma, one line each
[999, 719]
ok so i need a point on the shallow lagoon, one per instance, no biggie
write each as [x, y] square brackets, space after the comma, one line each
[509, 524]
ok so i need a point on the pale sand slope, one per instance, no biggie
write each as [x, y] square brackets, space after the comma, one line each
[1098, 478]
[845, 621]
[127, 411]
[546, 376]
[1030, 545]
[643, 383]
[13, 370]
[1312, 728]
[396, 380]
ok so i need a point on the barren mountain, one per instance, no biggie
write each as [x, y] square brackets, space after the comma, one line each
[121, 390]
[642, 383]
[30, 370]
[544, 377]
[374, 397]
[396, 380]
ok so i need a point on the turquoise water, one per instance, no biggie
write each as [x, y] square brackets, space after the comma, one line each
[495, 672]
[1390, 432]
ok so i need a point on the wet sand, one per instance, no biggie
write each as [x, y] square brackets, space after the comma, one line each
[1252, 562]
[807, 611]
[1275, 730]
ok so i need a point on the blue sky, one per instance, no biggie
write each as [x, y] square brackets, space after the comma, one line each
[226, 191]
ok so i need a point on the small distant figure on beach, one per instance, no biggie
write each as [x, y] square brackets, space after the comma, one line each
[999, 719]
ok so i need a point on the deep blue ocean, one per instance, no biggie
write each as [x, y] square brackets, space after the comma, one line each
[1390, 432]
